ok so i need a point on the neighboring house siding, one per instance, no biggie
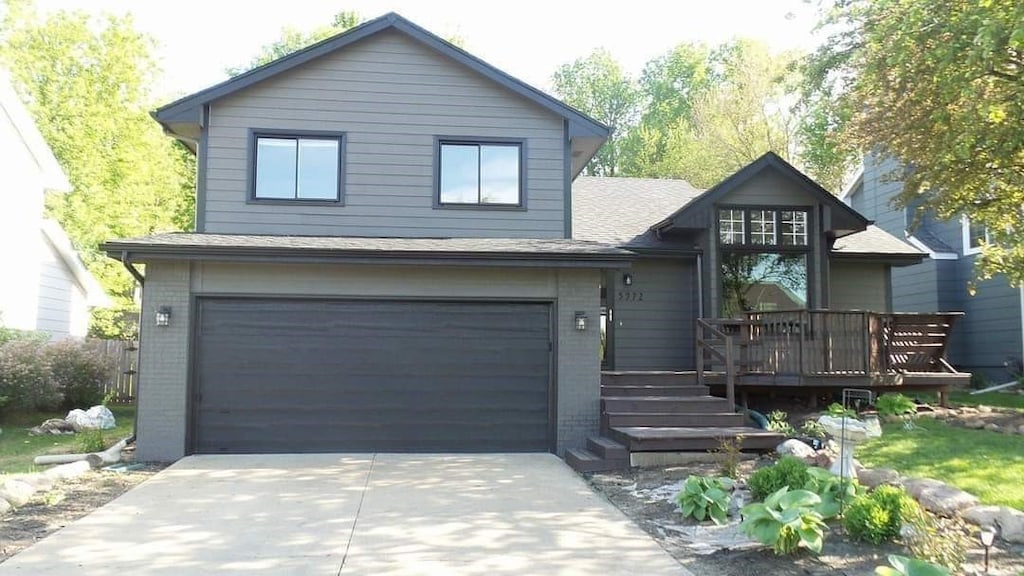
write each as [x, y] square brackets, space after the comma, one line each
[164, 372]
[859, 286]
[391, 97]
[655, 333]
[991, 331]
[915, 288]
[61, 300]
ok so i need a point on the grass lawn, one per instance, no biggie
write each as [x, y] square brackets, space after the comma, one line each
[17, 448]
[988, 399]
[989, 465]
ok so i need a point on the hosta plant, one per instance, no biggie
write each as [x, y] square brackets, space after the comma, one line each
[786, 521]
[895, 404]
[903, 566]
[833, 491]
[705, 497]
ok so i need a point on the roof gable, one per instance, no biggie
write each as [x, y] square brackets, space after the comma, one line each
[188, 110]
[846, 219]
[54, 178]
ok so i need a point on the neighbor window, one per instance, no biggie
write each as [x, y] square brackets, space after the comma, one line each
[760, 227]
[975, 235]
[297, 167]
[480, 173]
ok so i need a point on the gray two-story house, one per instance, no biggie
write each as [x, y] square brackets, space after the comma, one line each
[988, 340]
[391, 254]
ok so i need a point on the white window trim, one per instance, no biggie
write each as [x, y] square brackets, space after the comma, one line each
[965, 234]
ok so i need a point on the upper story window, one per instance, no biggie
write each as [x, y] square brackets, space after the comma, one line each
[974, 236]
[761, 227]
[297, 167]
[480, 173]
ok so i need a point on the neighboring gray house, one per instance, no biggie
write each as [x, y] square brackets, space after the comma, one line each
[989, 337]
[45, 286]
[390, 255]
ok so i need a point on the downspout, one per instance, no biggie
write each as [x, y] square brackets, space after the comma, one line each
[130, 267]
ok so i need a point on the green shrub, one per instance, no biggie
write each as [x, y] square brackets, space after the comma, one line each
[878, 517]
[705, 497]
[833, 491]
[895, 404]
[728, 456]
[786, 521]
[25, 383]
[789, 471]
[778, 421]
[903, 566]
[79, 371]
[836, 410]
[813, 429]
[90, 441]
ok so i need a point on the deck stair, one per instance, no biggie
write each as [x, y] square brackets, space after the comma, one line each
[662, 412]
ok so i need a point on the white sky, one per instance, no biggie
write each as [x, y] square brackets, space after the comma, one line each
[529, 39]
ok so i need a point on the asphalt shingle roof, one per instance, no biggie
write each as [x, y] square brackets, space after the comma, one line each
[621, 210]
[874, 240]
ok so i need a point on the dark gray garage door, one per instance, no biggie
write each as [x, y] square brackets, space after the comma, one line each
[278, 375]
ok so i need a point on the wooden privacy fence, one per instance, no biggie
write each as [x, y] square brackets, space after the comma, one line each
[124, 356]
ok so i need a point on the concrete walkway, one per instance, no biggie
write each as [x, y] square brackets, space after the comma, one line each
[351, 515]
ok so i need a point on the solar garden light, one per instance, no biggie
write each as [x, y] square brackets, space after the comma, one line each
[988, 536]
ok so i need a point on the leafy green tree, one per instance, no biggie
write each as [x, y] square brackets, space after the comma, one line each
[293, 39]
[86, 81]
[597, 86]
[938, 84]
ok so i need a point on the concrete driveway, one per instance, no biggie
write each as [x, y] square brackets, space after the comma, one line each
[325, 514]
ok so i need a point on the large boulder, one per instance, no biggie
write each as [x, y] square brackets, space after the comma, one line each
[5, 506]
[874, 477]
[796, 448]
[41, 482]
[938, 497]
[16, 492]
[1010, 522]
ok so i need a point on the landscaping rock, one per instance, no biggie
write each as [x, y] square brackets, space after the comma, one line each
[938, 497]
[968, 410]
[1020, 429]
[40, 482]
[5, 506]
[985, 409]
[974, 424]
[993, 427]
[1010, 522]
[16, 492]
[874, 477]
[65, 471]
[795, 448]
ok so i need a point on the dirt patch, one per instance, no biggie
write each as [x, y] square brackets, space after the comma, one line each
[68, 501]
[646, 496]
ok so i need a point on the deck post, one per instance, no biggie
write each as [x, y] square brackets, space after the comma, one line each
[700, 353]
[730, 373]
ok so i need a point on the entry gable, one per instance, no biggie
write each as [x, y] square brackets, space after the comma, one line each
[768, 181]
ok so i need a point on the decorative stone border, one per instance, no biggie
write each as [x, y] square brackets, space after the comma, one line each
[17, 491]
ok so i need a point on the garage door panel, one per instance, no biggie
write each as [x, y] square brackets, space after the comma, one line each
[300, 375]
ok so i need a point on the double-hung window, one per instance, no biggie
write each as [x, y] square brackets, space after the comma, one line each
[297, 167]
[485, 174]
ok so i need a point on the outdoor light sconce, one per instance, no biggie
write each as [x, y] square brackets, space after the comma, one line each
[988, 537]
[163, 316]
[581, 320]
[627, 279]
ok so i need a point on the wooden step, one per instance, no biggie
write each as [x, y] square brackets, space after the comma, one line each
[666, 404]
[607, 449]
[648, 378]
[652, 390]
[691, 439]
[612, 419]
[585, 461]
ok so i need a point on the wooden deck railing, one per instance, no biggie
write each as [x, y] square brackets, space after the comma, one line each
[719, 345]
[836, 342]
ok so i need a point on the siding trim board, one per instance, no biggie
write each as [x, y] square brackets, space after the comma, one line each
[250, 165]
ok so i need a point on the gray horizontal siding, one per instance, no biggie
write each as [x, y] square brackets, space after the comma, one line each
[771, 189]
[656, 333]
[859, 286]
[914, 288]
[391, 97]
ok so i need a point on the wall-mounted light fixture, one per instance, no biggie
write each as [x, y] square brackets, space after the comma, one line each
[580, 320]
[163, 316]
[627, 279]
